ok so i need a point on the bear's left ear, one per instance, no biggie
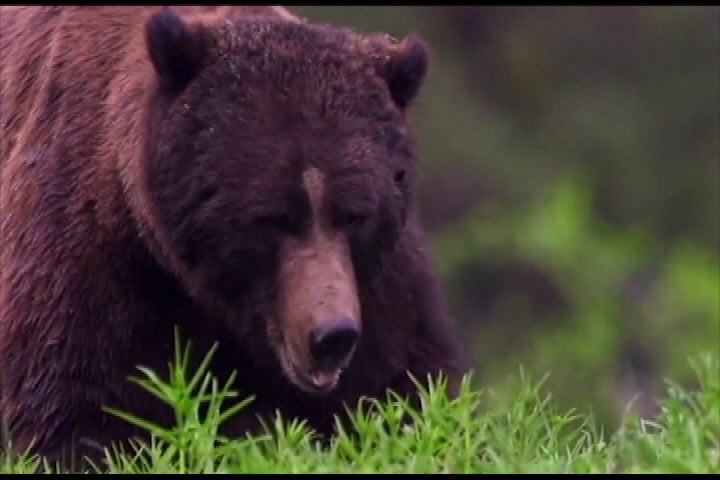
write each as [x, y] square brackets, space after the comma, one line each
[406, 68]
[176, 49]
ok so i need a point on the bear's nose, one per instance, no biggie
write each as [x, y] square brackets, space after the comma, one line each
[332, 343]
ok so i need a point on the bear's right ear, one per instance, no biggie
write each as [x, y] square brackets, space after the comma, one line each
[403, 65]
[176, 49]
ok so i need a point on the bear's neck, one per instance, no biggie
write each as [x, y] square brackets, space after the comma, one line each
[128, 105]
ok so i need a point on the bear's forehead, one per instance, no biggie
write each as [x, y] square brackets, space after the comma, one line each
[296, 96]
[271, 44]
[273, 33]
[336, 158]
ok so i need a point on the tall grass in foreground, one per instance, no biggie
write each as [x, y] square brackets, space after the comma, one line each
[474, 433]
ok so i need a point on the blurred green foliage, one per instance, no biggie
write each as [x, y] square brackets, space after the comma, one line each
[570, 181]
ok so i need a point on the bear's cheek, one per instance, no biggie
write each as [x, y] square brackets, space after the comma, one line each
[236, 271]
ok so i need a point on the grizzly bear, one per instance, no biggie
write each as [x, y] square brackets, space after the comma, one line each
[239, 173]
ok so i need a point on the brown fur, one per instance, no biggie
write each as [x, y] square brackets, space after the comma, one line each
[151, 175]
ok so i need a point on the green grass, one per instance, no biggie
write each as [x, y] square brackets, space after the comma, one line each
[474, 433]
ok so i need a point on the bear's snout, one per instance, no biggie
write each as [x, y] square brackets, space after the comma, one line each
[332, 344]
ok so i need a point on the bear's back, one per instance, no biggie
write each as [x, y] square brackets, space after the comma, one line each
[74, 52]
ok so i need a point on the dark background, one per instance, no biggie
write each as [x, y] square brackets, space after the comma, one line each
[570, 183]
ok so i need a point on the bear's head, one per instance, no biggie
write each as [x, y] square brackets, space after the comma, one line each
[279, 169]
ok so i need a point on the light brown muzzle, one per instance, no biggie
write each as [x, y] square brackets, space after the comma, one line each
[319, 308]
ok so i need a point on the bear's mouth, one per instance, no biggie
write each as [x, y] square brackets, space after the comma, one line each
[316, 382]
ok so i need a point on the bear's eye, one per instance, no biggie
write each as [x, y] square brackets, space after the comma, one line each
[207, 193]
[399, 175]
[351, 220]
[282, 223]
